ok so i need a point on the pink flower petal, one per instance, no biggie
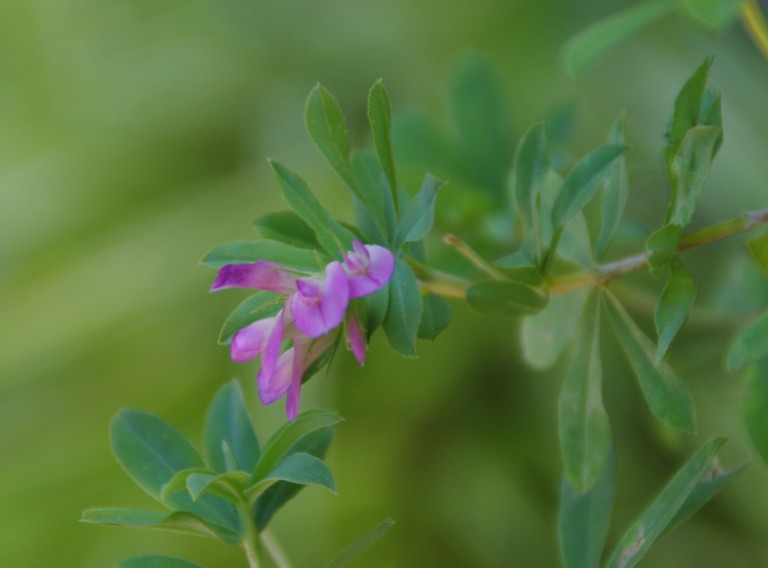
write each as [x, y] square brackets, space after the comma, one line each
[319, 306]
[250, 341]
[355, 339]
[262, 274]
[368, 268]
[273, 385]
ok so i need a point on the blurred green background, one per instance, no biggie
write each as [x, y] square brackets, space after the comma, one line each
[134, 137]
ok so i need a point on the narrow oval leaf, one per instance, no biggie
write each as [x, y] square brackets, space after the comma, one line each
[361, 545]
[532, 161]
[227, 423]
[287, 227]
[270, 501]
[151, 452]
[156, 561]
[615, 191]
[583, 181]
[714, 14]
[401, 324]
[328, 130]
[224, 486]
[259, 306]
[606, 34]
[674, 305]
[585, 432]
[750, 345]
[688, 105]
[243, 252]
[185, 523]
[374, 191]
[288, 435]
[545, 335]
[380, 119]
[330, 234]
[179, 482]
[436, 317]
[667, 396]
[303, 469]
[584, 518]
[655, 519]
[505, 297]
[662, 247]
[756, 408]
[419, 215]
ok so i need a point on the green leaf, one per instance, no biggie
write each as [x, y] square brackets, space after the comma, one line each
[710, 484]
[179, 481]
[332, 236]
[287, 227]
[419, 215]
[585, 432]
[758, 248]
[480, 110]
[288, 435]
[532, 161]
[259, 306]
[505, 297]
[373, 310]
[403, 318]
[655, 519]
[185, 523]
[689, 169]
[328, 130]
[674, 305]
[714, 14]
[756, 408]
[585, 517]
[151, 452]
[662, 247]
[374, 191]
[545, 335]
[604, 35]
[271, 500]
[688, 106]
[750, 345]
[243, 252]
[156, 561]
[361, 544]
[667, 396]
[301, 469]
[436, 317]
[583, 181]
[230, 486]
[228, 423]
[380, 119]
[615, 191]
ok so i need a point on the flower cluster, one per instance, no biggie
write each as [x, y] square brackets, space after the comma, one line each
[314, 308]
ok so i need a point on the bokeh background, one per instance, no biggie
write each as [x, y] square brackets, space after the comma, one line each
[133, 138]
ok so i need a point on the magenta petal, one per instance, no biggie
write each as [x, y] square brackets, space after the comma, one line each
[275, 341]
[318, 307]
[273, 385]
[375, 270]
[250, 341]
[355, 339]
[263, 275]
[294, 390]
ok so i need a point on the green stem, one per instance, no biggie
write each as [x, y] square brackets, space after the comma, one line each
[471, 255]
[251, 542]
[756, 25]
[606, 272]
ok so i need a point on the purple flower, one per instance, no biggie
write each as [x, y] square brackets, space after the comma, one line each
[319, 304]
[368, 268]
[314, 307]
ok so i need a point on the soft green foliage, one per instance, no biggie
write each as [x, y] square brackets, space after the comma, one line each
[380, 119]
[498, 296]
[758, 248]
[615, 191]
[715, 14]
[585, 517]
[253, 308]
[585, 432]
[605, 35]
[674, 305]
[532, 163]
[419, 214]
[658, 516]
[330, 234]
[227, 425]
[756, 408]
[750, 344]
[242, 252]
[287, 227]
[328, 130]
[436, 317]
[666, 394]
[180, 522]
[403, 318]
[361, 544]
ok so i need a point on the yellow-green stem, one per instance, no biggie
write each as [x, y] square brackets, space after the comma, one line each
[756, 25]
